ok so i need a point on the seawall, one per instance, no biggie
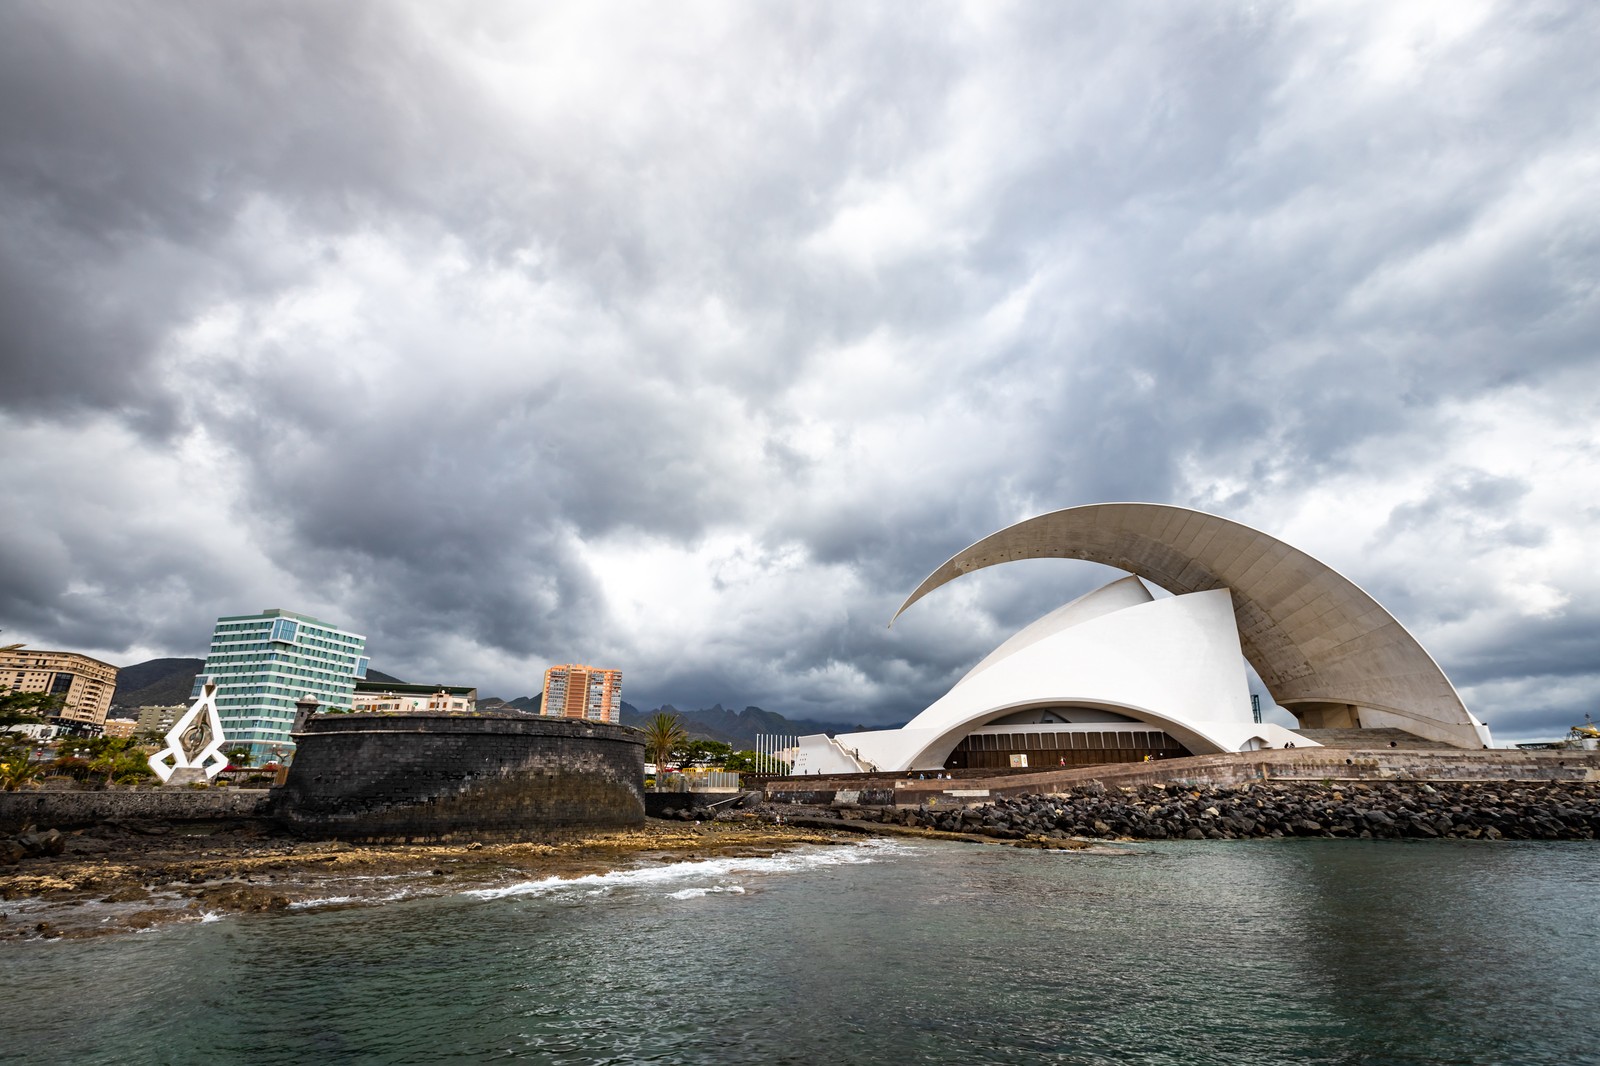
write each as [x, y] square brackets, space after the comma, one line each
[1283, 764]
[439, 777]
[72, 810]
[1464, 810]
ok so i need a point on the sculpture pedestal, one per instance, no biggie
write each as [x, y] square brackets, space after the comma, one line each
[188, 775]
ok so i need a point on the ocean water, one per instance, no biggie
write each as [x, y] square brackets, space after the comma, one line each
[1229, 952]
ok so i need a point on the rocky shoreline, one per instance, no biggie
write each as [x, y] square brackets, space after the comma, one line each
[119, 878]
[1362, 810]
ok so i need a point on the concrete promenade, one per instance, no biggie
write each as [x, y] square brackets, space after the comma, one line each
[1285, 764]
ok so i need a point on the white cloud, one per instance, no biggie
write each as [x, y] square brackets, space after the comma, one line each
[691, 342]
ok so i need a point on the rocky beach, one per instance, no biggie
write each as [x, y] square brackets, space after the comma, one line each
[117, 878]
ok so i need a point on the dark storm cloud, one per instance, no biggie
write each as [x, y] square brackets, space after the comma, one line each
[462, 308]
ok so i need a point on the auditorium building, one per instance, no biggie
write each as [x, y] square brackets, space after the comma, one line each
[1122, 674]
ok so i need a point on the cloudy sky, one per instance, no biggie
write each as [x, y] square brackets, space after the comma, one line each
[688, 338]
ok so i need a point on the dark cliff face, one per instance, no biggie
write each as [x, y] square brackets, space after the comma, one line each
[440, 777]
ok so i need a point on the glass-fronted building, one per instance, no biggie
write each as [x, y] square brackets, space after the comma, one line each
[262, 663]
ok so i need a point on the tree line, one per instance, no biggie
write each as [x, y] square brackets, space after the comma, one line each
[667, 743]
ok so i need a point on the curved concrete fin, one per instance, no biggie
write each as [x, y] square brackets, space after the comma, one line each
[1321, 645]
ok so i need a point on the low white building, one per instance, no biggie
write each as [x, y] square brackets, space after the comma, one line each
[396, 698]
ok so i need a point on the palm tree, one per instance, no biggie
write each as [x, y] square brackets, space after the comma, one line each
[662, 734]
[17, 771]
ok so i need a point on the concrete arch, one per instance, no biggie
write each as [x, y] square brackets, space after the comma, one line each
[1325, 649]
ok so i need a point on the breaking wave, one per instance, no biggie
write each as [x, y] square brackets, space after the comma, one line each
[710, 876]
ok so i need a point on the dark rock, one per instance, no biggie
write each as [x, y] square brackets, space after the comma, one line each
[48, 842]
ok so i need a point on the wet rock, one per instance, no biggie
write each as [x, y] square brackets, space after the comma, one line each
[48, 842]
[127, 894]
[1365, 810]
[242, 897]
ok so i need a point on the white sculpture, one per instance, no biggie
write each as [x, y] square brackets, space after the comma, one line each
[194, 744]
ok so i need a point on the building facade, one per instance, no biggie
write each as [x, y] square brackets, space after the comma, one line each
[1120, 675]
[85, 685]
[262, 663]
[156, 720]
[589, 692]
[1114, 676]
[395, 698]
[1327, 652]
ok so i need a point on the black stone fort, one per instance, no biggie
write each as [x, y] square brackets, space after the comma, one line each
[442, 777]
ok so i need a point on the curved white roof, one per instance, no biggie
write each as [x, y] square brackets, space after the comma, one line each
[1316, 639]
[1172, 664]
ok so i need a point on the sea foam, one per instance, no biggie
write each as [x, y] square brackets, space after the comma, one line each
[712, 875]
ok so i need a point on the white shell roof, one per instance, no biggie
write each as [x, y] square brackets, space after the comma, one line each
[1312, 635]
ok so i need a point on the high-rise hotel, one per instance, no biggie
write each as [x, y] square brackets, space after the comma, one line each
[573, 691]
[262, 663]
[84, 685]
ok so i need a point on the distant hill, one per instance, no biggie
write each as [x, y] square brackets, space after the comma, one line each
[525, 704]
[531, 705]
[155, 683]
[164, 682]
[738, 728]
[717, 722]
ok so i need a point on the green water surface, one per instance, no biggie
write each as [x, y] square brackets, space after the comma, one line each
[1234, 952]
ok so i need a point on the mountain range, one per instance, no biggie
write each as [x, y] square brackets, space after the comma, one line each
[155, 683]
[166, 682]
[739, 728]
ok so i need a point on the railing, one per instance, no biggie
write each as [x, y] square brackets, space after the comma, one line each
[711, 781]
[775, 753]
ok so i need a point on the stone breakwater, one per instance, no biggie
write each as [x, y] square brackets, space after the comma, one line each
[1472, 811]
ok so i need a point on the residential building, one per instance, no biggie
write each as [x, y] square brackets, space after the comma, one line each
[262, 663]
[156, 720]
[395, 698]
[574, 691]
[120, 727]
[85, 684]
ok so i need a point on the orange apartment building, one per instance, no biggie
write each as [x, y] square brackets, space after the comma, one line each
[84, 684]
[590, 692]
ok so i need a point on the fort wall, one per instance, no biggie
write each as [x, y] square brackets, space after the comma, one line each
[440, 777]
[74, 810]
